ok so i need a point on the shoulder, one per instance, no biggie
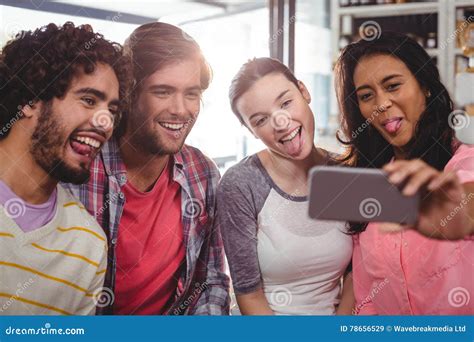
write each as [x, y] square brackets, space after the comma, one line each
[246, 176]
[76, 213]
[462, 162]
[192, 157]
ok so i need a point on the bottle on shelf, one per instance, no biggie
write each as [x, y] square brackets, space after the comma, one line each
[465, 84]
[461, 24]
[346, 31]
[431, 41]
[467, 41]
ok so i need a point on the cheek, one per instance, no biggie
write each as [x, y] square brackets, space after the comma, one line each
[265, 134]
[193, 107]
[365, 110]
[416, 105]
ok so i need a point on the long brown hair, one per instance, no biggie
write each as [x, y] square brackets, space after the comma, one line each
[432, 141]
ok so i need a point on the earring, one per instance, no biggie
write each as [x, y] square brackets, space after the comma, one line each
[428, 94]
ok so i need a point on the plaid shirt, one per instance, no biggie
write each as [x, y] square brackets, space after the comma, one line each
[203, 286]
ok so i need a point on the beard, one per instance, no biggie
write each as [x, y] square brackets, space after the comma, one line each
[47, 144]
[149, 140]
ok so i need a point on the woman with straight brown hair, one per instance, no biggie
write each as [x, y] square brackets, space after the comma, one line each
[281, 261]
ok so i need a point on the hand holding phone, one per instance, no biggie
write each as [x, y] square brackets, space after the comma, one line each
[359, 195]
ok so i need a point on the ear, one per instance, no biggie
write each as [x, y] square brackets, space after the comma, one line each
[32, 109]
[304, 91]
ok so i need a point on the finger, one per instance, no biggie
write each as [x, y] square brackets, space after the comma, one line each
[419, 179]
[393, 165]
[443, 178]
[399, 175]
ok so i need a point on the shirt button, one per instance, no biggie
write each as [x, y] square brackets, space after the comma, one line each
[121, 195]
[114, 241]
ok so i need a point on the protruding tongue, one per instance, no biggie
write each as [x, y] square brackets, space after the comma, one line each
[82, 149]
[392, 126]
[292, 147]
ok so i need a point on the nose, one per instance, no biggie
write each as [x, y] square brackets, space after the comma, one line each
[281, 120]
[177, 105]
[383, 102]
[103, 120]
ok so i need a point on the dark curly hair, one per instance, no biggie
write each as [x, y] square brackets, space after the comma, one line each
[40, 65]
[433, 138]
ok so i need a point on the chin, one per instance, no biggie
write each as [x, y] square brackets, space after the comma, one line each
[67, 173]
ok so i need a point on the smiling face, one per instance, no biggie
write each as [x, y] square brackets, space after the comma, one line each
[166, 108]
[390, 97]
[278, 113]
[71, 130]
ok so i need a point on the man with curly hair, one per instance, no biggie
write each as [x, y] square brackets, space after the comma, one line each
[60, 91]
[155, 195]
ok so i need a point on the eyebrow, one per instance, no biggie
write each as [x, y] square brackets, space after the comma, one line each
[168, 87]
[283, 93]
[385, 79]
[97, 93]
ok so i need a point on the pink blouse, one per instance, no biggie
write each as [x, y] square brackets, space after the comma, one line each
[408, 274]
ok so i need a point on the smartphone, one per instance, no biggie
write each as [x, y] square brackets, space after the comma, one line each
[358, 195]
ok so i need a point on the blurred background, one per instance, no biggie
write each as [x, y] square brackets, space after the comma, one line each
[307, 35]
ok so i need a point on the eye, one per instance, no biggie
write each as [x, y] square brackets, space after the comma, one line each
[393, 86]
[286, 104]
[88, 100]
[194, 95]
[260, 121]
[364, 97]
[162, 93]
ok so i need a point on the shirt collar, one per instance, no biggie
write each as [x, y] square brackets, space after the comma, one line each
[114, 164]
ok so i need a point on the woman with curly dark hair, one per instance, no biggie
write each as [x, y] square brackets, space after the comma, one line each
[396, 116]
[60, 93]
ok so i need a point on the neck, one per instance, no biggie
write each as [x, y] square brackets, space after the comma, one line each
[22, 174]
[143, 169]
[399, 153]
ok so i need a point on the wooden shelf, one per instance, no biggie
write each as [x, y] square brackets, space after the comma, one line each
[464, 3]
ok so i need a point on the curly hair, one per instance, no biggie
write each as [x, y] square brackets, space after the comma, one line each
[40, 65]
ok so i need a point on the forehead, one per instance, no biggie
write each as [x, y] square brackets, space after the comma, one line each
[180, 74]
[374, 68]
[260, 97]
[103, 78]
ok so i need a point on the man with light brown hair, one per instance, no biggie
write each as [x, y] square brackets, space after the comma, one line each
[155, 196]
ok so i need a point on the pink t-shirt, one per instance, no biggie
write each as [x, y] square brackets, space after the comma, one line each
[408, 274]
[27, 216]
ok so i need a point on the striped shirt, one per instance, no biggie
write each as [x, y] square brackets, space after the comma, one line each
[57, 269]
[203, 286]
